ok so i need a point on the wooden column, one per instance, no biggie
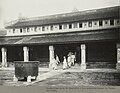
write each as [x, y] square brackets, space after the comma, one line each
[4, 57]
[51, 55]
[83, 56]
[26, 54]
[118, 57]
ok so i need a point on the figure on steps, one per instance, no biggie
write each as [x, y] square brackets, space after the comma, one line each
[65, 65]
[54, 64]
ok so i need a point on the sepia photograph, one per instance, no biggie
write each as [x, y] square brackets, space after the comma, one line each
[60, 46]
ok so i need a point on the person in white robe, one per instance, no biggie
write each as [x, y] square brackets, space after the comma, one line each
[65, 65]
[57, 58]
[69, 61]
[54, 64]
[73, 59]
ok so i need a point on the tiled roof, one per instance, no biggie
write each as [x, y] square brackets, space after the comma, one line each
[111, 12]
[109, 34]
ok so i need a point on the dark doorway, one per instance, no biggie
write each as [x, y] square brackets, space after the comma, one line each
[14, 53]
[101, 55]
[40, 53]
[63, 49]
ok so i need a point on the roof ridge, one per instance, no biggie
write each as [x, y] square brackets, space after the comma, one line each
[69, 13]
[109, 12]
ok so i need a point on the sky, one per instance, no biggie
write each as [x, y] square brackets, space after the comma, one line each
[11, 9]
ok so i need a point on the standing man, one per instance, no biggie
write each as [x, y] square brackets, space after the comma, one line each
[57, 59]
[73, 59]
[54, 64]
[65, 65]
[69, 60]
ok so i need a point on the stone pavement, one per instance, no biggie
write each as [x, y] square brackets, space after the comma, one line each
[51, 73]
[45, 76]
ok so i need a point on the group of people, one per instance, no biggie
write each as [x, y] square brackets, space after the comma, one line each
[67, 63]
[70, 61]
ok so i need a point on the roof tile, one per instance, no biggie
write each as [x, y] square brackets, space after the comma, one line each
[111, 12]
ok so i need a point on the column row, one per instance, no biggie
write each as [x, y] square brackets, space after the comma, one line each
[4, 55]
[51, 55]
[83, 56]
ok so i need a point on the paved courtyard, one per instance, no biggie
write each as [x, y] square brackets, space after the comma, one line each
[6, 78]
[70, 77]
[78, 78]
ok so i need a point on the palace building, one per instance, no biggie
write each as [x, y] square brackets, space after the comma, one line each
[92, 35]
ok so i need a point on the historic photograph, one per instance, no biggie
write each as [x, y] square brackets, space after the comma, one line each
[59, 43]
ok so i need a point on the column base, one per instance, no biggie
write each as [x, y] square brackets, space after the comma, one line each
[50, 65]
[118, 66]
[4, 65]
[83, 66]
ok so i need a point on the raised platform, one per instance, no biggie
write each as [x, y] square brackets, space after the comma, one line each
[97, 65]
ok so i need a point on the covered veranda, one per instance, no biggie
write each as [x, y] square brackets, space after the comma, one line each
[91, 51]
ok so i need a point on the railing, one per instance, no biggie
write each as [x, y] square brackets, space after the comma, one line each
[62, 31]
